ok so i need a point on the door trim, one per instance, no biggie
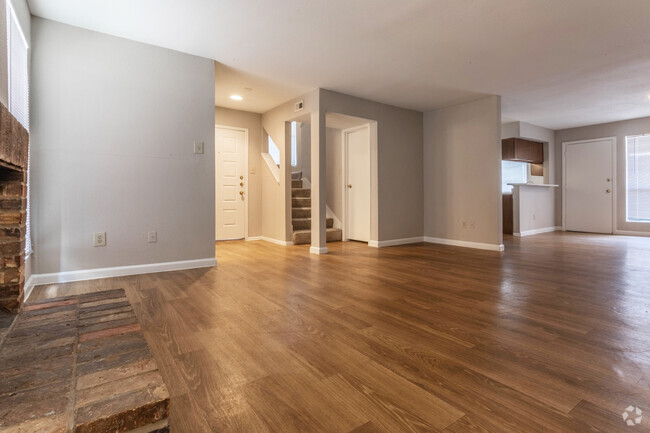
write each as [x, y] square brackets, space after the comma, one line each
[344, 174]
[614, 185]
[214, 182]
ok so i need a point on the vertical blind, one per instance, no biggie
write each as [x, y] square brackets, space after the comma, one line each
[18, 86]
[638, 178]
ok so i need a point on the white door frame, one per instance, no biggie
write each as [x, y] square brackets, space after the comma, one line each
[344, 150]
[614, 201]
[245, 131]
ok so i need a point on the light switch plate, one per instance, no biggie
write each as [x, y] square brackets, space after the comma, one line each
[253, 170]
[198, 147]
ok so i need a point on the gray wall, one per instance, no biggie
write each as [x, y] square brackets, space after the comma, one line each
[615, 129]
[462, 172]
[399, 162]
[252, 122]
[113, 126]
[334, 168]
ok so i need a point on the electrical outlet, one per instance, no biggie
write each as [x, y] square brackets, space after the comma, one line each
[463, 224]
[534, 217]
[99, 239]
[198, 147]
[253, 170]
[153, 237]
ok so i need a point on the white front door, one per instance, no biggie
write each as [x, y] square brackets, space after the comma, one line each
[230, 176]
[357, 186]
[589, 186]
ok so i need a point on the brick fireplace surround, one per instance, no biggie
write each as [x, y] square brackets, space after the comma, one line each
[14, 142]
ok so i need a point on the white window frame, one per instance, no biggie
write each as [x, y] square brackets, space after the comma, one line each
[627, 180]
[12, 22]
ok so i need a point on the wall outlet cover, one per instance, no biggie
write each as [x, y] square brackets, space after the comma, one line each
[198, 147]
[99, 239]
[153, 237]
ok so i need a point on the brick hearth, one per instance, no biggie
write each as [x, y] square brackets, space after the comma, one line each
[79, 364]
[14, 142]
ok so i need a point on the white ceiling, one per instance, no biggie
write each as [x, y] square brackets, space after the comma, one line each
[557, 63]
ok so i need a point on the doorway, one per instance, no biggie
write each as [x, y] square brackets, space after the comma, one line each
[356, 183]
[589, 174]
[231, 187]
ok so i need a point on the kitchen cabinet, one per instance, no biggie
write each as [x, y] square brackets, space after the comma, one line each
[519, 149]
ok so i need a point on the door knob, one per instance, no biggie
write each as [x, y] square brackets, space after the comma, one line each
[349, 186]
[241, 183]
[241, 177]
[241, 192]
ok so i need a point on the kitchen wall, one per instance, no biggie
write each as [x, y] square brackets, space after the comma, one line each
[462, 173]
[615, 129]
[112, 132]
[253, 123]
[533, 209]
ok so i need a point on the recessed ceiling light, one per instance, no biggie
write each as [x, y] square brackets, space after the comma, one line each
[236, 97]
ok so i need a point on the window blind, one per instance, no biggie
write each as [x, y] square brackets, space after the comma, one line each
[638, 178]
[18, 86]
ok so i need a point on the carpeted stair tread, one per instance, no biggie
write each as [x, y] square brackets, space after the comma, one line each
[301, 237]
[305, 223]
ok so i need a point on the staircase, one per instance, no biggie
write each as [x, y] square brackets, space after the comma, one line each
[301, 214]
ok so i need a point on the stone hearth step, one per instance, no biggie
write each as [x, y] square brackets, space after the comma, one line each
[80, 360]
[301, 237]
[305, 223]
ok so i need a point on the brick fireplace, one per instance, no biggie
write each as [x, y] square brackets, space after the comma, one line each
[14, 142]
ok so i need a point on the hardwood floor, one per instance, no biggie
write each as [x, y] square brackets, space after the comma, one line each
[551, 336]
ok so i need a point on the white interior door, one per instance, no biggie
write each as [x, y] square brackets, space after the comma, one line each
[589, 186]
[230, 176]
[357, 185]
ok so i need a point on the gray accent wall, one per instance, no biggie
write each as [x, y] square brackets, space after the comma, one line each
[462, 172]
[399, 162]
[112, 132]
[615, 129]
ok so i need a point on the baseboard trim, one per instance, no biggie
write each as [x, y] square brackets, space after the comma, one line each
[254, 238]
[118, 271]
[393, 242]
[536, 231]
[631, 233]
[464, 244]
[316, 250]
[276, 241]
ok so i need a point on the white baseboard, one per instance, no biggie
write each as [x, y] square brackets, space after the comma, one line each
[393, 242]
[316, 250]
[465, 244]
[276, 241]
[118, 271]
[29, 286]
[536, 231]
[254, 238]
[631, 233]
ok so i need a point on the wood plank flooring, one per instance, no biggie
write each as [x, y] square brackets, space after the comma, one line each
[551, 336]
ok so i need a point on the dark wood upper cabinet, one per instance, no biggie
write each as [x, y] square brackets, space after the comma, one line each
[518, 149]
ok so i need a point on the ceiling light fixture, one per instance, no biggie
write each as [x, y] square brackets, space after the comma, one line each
[236, 97]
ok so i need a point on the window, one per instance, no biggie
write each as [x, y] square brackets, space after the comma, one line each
[18, 86]
[274, 151]
[638, 178]
[512, 172]
[294, 144]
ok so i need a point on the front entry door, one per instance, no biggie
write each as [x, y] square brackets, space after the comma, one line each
[230, 175]
[589, 186]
